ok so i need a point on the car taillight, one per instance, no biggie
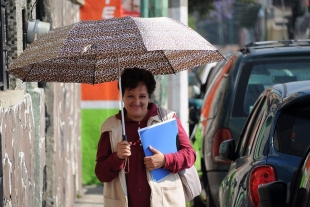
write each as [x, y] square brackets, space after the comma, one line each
[220, 136]
[260, 175]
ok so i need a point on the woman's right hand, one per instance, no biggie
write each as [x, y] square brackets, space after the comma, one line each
[123, 149]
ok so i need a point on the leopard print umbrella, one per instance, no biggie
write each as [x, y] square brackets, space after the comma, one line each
[94, 51]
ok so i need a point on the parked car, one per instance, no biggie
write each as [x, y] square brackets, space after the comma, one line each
[271, 145]
[231, 95]
[198, 80]
[275, 194]
[201, 78]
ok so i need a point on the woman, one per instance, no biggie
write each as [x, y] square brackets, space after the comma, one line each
[122, 165]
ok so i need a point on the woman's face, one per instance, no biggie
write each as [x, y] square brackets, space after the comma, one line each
[136, 101]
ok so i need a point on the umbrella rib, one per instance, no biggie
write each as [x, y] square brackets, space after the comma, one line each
[25, 79]
[173, 71]
[160, 50]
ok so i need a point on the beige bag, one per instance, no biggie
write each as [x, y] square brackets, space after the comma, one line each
[189, 176]
[191, 183]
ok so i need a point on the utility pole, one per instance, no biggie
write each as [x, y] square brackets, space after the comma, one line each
[157, 8]
[144, 8]
[178, 83]
[283, 17]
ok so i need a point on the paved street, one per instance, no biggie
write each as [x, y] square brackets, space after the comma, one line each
[91, 197]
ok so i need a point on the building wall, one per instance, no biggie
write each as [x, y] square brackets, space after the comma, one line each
[18, 154]
[39, 126]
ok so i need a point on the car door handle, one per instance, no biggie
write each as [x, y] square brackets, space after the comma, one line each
[234, 183]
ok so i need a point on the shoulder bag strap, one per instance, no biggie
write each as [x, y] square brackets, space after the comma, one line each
[160, 113]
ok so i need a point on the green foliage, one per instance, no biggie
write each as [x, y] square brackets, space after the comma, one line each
[249, 15]
[246, 1]
[197, 145]
[245, 10]
[201, 7]
[246, 13]
[192, 22]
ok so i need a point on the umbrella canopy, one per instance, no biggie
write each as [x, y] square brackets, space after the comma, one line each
[96, 51]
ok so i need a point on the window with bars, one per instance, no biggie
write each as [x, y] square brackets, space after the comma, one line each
[4, 81]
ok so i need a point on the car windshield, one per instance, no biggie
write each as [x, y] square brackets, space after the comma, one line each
[292, 130]
[258, 76]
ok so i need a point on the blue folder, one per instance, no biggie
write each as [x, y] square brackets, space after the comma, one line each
[161, 136]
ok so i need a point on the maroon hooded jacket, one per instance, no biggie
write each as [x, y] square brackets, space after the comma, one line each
[108, 164]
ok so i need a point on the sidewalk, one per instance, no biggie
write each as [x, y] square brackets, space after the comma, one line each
[92, 196]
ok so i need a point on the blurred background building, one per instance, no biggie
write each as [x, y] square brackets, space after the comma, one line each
[238, 22]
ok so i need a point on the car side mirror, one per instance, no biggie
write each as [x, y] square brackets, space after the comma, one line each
[227, 150]
[194, 114]
[272, 194]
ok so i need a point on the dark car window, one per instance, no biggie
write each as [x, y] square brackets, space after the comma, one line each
[259, 75]
[257, 119]
[292, 133]
[245, 143]
[262, 139]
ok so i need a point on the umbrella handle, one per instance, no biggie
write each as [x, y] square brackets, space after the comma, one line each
[124, 137]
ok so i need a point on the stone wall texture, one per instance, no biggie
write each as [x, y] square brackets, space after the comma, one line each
[18, 134]
[40, 135]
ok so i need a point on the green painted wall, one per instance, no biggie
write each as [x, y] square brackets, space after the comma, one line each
[91, 123]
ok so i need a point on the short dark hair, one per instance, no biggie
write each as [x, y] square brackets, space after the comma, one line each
[131, 77]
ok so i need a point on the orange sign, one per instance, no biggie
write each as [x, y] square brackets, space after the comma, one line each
[103, 91]
[106, 9]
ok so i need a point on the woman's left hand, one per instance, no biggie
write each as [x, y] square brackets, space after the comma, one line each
[155, 161]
